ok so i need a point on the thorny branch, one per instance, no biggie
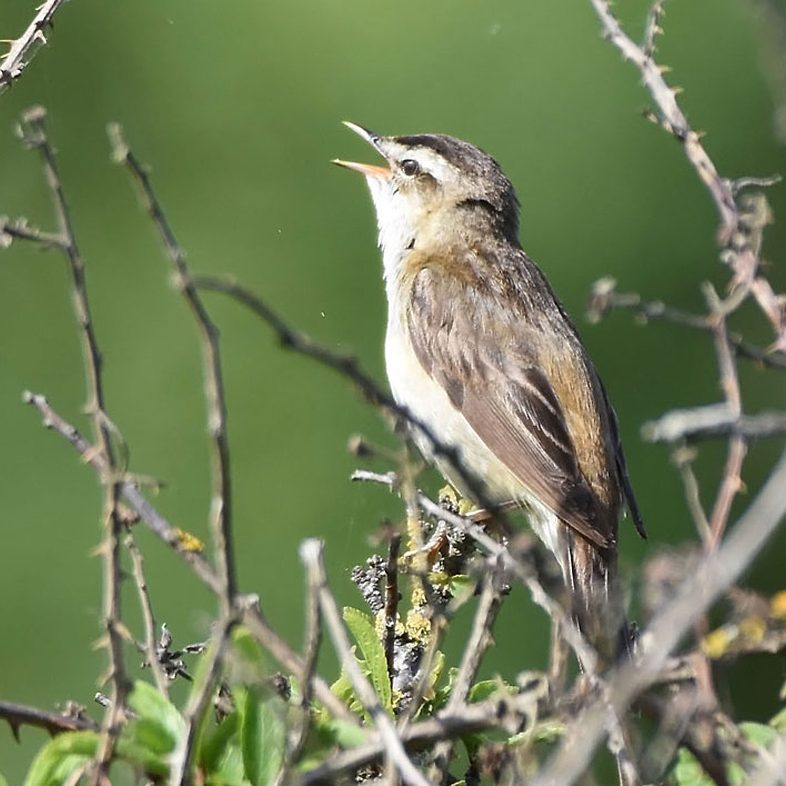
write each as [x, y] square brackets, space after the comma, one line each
[179, 542]
[34, 135]
[311, 555]
[23, 48]
[613, 694]
[221, 504]
[150, 648]
[738, 237]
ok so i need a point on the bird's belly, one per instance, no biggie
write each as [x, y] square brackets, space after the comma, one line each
[428, 402]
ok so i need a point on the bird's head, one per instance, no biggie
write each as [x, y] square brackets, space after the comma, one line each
[437, 186]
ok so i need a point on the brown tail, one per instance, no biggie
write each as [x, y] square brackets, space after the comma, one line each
[597, 607]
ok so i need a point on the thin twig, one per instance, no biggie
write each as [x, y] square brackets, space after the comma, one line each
[21, 230]
[713, 421]
[474, 649]
[33, 133]
[19, 715]
[605, 298]
[199, 703]
[731, 481]
[735, 232]
[311, 555]
[683, 458]
[179, 543]
[715, 573]
[221, 504]
[313, 639]
[391, 601]
[23, 48]
[507, 713]
[148, 618]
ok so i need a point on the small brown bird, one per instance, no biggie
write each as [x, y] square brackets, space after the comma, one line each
[480, 350]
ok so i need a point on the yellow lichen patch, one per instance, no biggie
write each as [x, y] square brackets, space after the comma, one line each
[753, 628]
[715, 644]
[188, 542]
[778, 605]
[418, 626]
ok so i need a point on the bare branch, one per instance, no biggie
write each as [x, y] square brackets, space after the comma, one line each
[33, 133]
[311, 555]
[731, 482]
[148, 618]
[179, 542]
[737, 236]
[717, 571]
[19, 715]
[313, 639]
[23, 48]
[713, 421]
[605, 298]
[221, 506]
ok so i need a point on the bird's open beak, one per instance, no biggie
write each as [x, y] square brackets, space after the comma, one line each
[369, 170]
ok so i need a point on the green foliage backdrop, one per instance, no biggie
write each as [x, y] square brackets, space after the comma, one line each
[237, 107]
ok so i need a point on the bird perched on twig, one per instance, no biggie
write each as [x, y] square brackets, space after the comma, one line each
[480, 350]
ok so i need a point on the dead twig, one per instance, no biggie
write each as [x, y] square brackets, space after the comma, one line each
[18, 715]
[716, 572]
[148, 618]
[221, 504]
[180, 543]
[739, 230]
[23, 48]
[311, 555]
[33, 133]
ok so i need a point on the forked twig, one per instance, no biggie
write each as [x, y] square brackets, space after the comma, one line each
[221, 504]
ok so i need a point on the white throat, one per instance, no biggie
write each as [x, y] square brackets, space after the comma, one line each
[396, 228]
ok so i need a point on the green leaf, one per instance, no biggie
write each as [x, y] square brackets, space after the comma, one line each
[159, 724]
[778, 722]
[3, 781]
[688, 771]
[758, 733]
[249, 650]
[262, 736]
[230, 771]
[213, 745]
[61, 756]
[365, 633]
[486, 689]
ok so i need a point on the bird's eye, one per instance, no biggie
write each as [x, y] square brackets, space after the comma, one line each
[409, 167]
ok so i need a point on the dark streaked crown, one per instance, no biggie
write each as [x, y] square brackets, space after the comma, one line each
[488, 186]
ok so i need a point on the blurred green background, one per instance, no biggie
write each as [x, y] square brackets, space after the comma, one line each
[237, 107]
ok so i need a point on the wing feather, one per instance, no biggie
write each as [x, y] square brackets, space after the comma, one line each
[487, 361]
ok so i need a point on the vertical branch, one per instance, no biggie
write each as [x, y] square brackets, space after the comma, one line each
[474, 650]
[311, 650]
[727, 371]
[221, 510]
[33, 134]
[391, 600]
[149, 620]
[311, 555]
[199, 703]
